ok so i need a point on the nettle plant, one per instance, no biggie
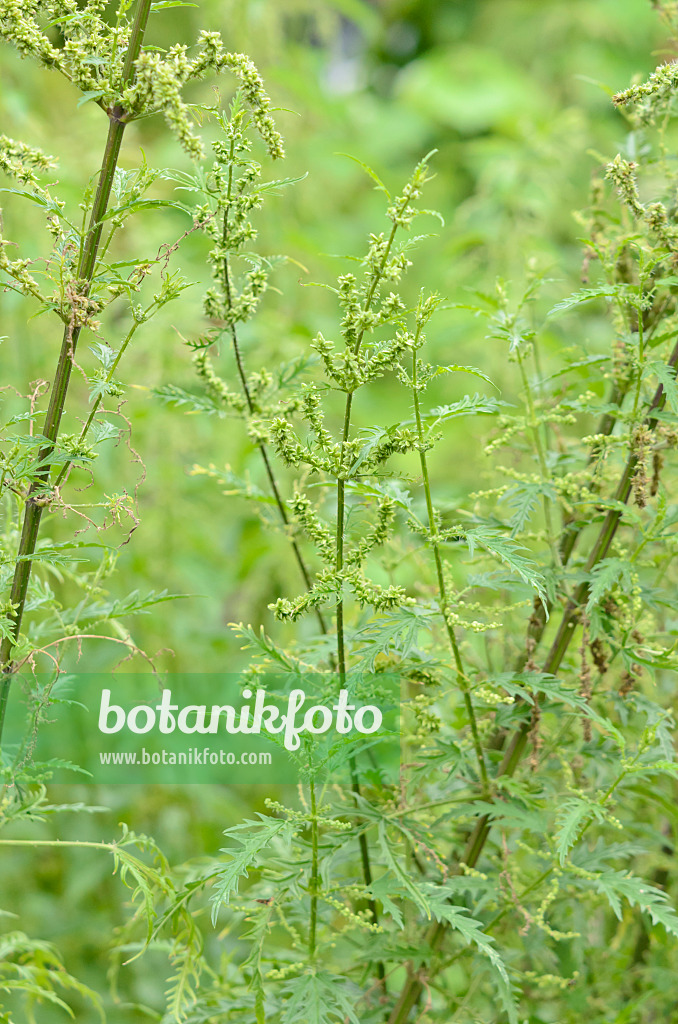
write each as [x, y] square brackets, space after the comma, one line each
[520, 869]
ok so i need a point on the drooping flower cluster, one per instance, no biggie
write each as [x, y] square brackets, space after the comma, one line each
[92, 57]
[20, 161]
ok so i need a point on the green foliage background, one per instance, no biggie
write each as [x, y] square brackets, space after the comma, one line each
[515, 97]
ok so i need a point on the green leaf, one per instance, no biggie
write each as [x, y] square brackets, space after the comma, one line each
[133, 603]
[90, 94]
[33, 968]
[472, 931]
[507, 551]
[382, 890]
[393, 633]
[171, 394]
[586, 294]
[510, 813]
[253, 837]
[605, 576]
[524, 499]
[319, 997]
[162, 5]
[454, 368]
[144, 204]
[400, 872]
[556, 691]
[34, 197]
[54, 556]
[615, 885]
[469, 405]
[370, 173]
[573, 815]
[666, 376]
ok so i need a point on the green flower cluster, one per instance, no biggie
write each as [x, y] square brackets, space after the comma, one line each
[92, 57]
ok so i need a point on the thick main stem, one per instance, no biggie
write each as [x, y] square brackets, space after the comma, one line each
[412, 990]
[86, 266]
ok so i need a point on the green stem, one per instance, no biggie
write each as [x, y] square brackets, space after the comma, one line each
[543, 468]
[462, 680]
[339, 565]
[341, 479]
[86, 267]
[641, 355]
[59, 842]
[339, 560]
[314, 875]
[263, 451]
[95, 408]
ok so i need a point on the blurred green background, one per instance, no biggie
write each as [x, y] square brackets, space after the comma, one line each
[515, 97]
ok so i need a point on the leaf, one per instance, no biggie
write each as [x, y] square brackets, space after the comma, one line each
[393, 633]
[666, 376]
[573, 814]
[104, 354]
[253, 837]
[144, 204]
[508, 552]
[400, 872]
[510, 813]
[263, 643]
[181, 994]
[472, 932]
[586, 294]
[639, 893]
[580, 364]
[90, 94]
[370, 173]
[552, 688]
[605, 576]
[382, 890]
[392, 489]
[272, 188]
[33, 968]
[523, 499]
[34, 197]
[133, 604]
[7, 627]
[469, 405]
[54, 556]
[377, 435]
[319, 997]
[170, 394]
[454, 368]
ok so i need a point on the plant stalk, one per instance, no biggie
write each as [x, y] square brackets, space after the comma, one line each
[462, 680]
[86, 266]
[339, 565]
[314, 874]
[240, 366]
[341, 479]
